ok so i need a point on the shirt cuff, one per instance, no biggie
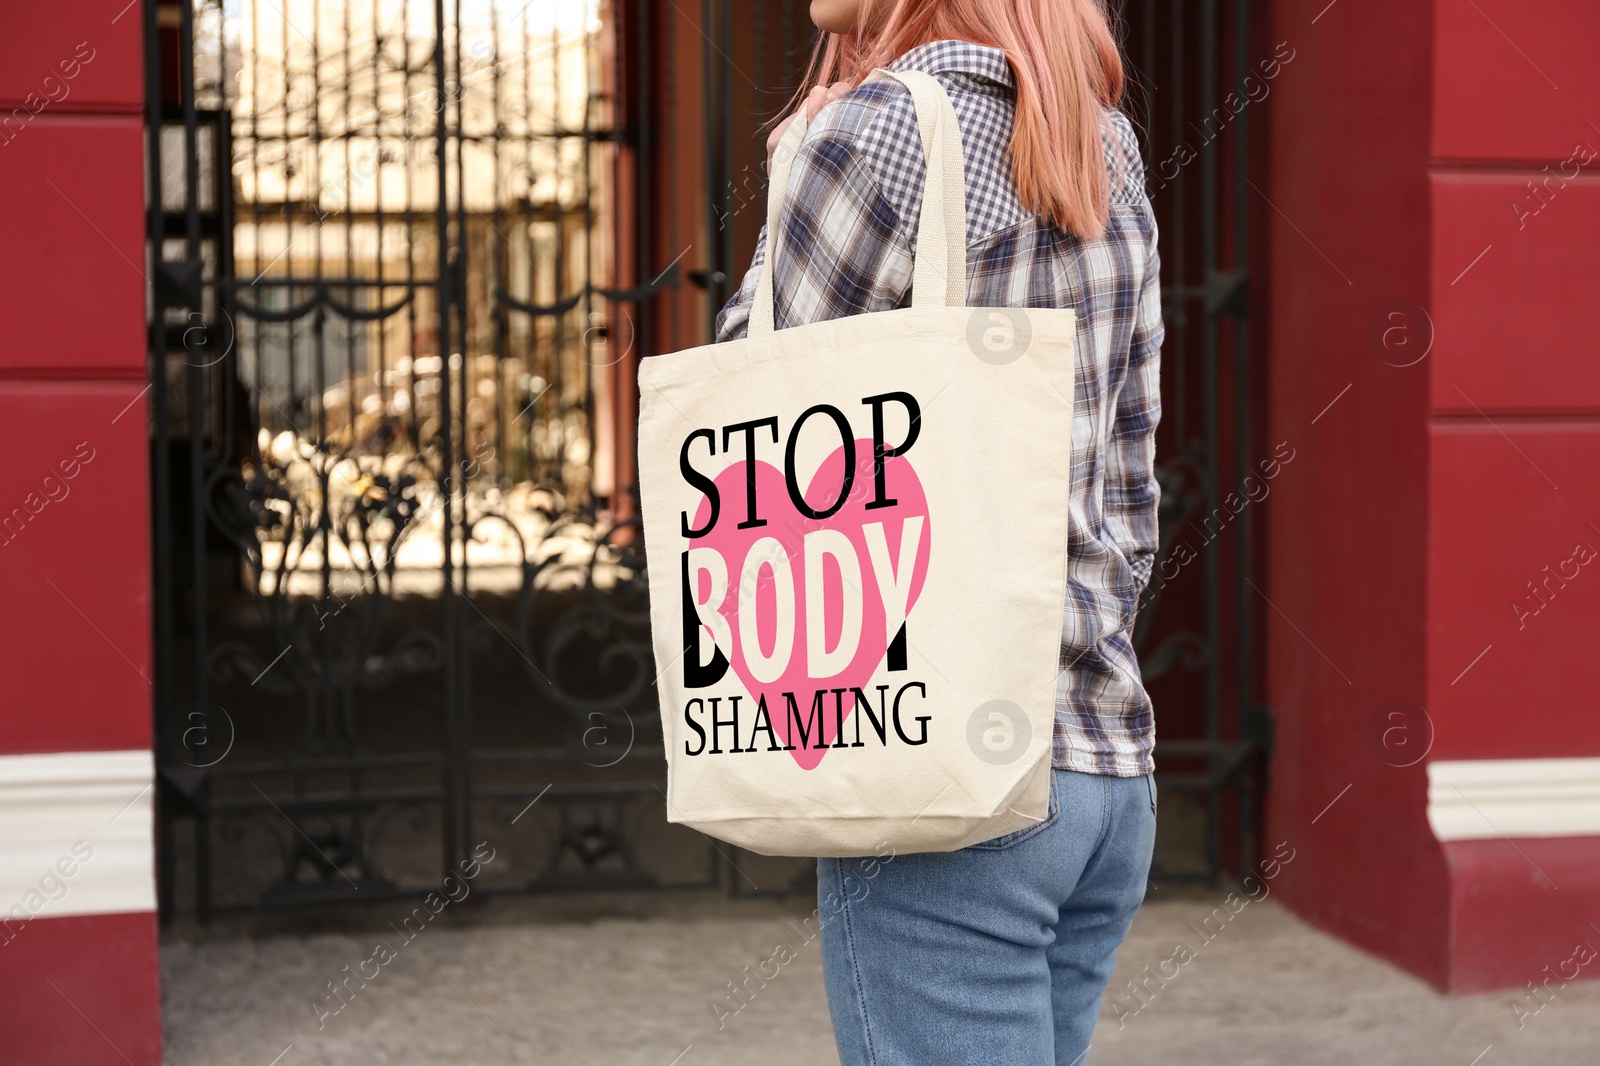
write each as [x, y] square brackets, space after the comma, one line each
[1143, 563]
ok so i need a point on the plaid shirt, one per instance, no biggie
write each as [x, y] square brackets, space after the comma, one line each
[850, 217]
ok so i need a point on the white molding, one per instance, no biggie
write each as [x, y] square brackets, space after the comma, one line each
[1491, 799]
[48, 803]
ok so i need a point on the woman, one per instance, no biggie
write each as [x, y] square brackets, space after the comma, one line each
[998, 954]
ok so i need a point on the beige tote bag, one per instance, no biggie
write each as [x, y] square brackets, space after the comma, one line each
[857, 539]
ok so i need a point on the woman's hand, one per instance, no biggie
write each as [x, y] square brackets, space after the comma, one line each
[819, 98]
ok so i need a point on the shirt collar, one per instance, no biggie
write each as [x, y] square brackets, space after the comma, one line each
[964, 57]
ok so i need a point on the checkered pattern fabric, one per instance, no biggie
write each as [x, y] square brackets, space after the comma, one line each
[848, 225]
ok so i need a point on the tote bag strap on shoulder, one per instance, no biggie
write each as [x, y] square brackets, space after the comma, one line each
[939, 276]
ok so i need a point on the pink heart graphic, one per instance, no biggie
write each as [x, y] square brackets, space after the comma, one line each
[877, 538]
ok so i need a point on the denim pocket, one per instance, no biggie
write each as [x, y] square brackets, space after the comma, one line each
[1052, 816]
[1150, 779]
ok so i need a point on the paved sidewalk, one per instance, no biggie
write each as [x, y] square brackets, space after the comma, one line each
[631, 980]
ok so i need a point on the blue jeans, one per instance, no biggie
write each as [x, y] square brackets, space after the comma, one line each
[994, 955]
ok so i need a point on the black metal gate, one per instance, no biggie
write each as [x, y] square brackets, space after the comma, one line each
[402, 249]
[400, 600]
[1200, 71]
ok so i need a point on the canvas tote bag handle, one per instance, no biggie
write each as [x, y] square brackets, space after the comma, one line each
[939, 274]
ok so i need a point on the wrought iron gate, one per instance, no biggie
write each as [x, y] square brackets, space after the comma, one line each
[1199, 71]
[402, 248]
[400, 600]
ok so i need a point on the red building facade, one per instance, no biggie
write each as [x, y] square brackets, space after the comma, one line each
[1433, 270]
[78, 975]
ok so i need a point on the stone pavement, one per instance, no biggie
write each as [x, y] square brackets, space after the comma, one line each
[631, 981]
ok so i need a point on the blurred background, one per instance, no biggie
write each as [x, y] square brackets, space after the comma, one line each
[322, 564]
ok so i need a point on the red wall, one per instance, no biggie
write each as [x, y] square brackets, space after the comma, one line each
[74, 584]
[1515, 443]
[1347, 536]
[1432, 492]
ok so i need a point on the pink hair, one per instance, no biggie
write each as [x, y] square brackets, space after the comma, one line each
[1067, 67]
